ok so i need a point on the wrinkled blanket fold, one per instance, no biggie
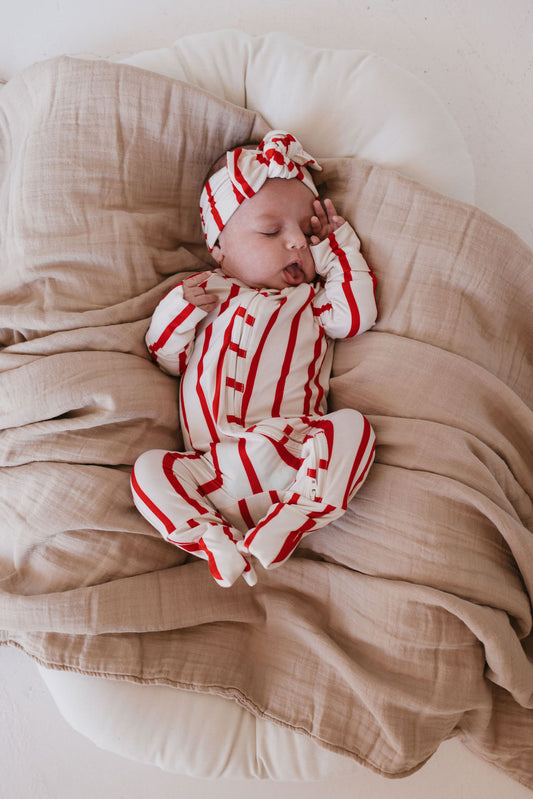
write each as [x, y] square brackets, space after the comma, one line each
[406, 622]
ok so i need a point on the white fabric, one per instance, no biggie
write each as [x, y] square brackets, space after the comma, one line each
[360, 104]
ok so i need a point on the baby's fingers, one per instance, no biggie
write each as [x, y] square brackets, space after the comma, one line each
[194, 292]
[207, 302]
[195, 280]
[334, 219]
[320, 213]
[325, 220]
[316, 228]
[197, 296]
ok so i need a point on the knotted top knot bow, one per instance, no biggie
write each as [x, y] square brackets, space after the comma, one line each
[279, 155]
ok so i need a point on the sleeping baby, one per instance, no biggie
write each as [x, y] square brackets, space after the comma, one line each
[264, 463]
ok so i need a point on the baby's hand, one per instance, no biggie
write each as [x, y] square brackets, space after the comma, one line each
[194, 293]
[325, 221]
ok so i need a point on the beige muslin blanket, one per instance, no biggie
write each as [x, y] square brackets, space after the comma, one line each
[406, 622]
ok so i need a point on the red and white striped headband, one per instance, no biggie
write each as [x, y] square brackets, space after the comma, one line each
[279, 155]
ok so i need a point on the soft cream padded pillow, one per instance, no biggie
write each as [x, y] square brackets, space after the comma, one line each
[197, 735]
[340, 102]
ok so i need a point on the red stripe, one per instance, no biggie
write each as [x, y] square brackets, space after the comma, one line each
[329, 431]
[220, 365]
[216, 464]
[236, 193]
[193, 547]
[239, 177]
[313, 372]
[292, 541]
[367, 431]
[272, 515]
[364, 472]
[165, 521]
[213, 568]
[233, 292]
[365, 469]
[170, 328]
[182, 363]
[252, 373]
[245, 513]
[201, 395]
[212, 205]
[209, 418]
[322, 309]
[286, 456]
[232, 383]
[346, 285]
[286, 366]
[183, 414]
[294, 537]
[212, 485]
[234, 347]
[169, 459]
[255, 485]
[321, 394]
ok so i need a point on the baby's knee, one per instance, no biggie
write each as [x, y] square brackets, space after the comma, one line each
[351, 425]
[147, 466]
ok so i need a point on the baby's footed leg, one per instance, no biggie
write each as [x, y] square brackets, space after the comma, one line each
[167, 491]
[336, 457]
[273, 540]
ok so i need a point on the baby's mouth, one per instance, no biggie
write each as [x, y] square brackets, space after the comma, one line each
[294, 274]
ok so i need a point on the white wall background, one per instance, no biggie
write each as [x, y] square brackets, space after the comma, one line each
[478, 56]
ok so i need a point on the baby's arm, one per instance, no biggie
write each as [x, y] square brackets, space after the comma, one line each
[347, 303]
[171, 333]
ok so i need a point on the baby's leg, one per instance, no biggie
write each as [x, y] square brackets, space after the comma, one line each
[336, 457]
[166, 489]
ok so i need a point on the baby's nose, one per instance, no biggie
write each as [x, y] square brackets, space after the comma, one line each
[297, 240]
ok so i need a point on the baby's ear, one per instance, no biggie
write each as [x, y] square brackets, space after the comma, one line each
[217, 253]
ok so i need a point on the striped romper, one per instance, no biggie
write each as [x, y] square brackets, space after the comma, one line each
[264, 462]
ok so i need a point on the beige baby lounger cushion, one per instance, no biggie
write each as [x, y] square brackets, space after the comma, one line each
[405, 623]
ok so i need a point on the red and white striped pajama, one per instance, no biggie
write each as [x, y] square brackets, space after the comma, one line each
[265, 464]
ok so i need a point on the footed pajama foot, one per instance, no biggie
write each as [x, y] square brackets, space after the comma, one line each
[226, 563]
[275, 537]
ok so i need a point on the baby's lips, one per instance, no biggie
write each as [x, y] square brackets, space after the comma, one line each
[294, 274]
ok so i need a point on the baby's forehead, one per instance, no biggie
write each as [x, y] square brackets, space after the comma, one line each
[281, 196]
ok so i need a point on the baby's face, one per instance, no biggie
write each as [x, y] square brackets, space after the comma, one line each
[265, 244]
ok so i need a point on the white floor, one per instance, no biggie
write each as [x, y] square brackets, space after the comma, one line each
[477, 55]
